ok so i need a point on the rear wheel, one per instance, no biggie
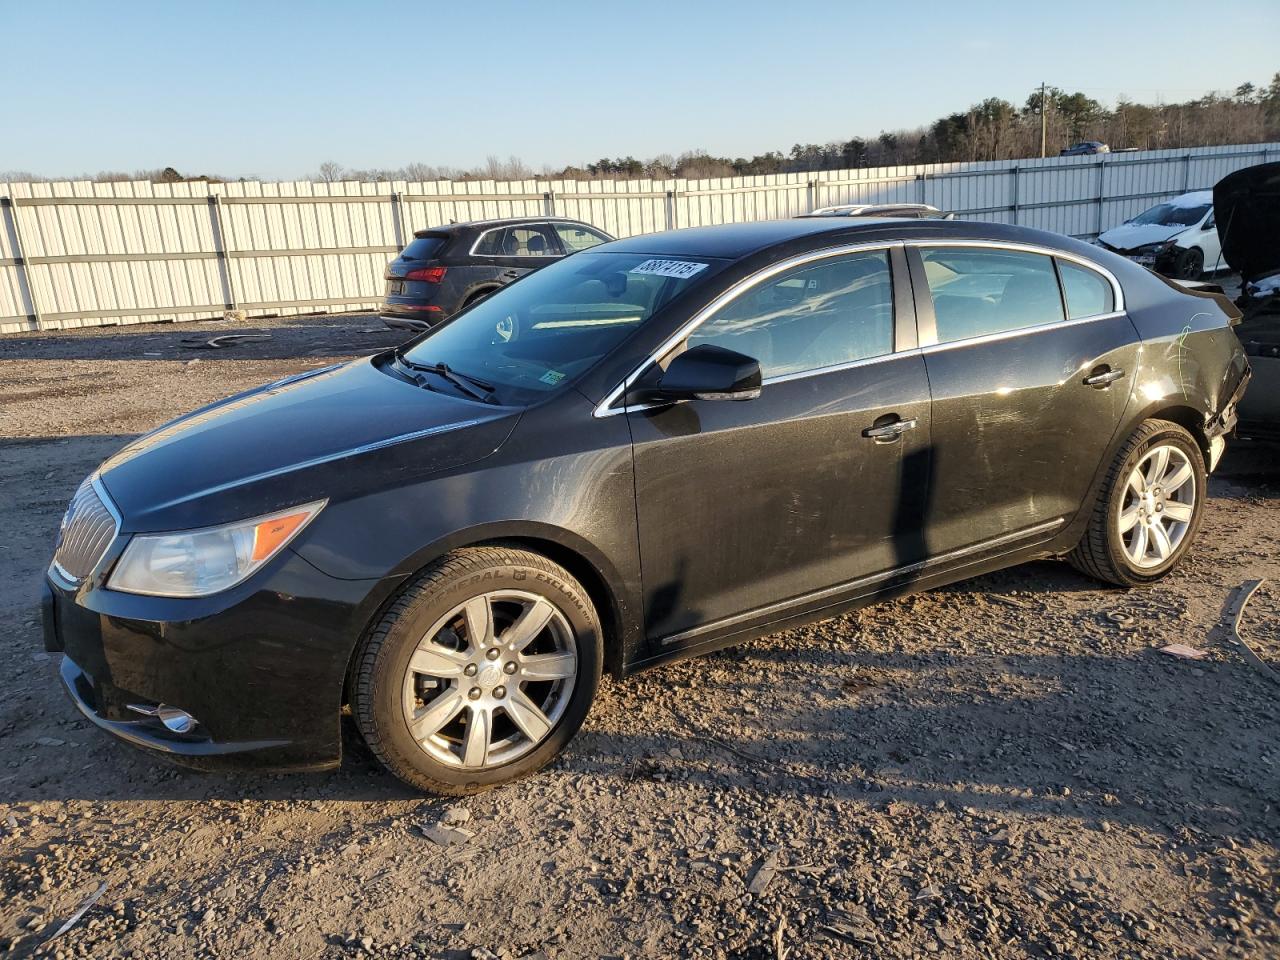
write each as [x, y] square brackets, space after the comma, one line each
[480, 673]
[1149, 509]
[1190, 264]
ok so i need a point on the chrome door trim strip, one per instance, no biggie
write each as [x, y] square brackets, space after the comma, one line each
[869, 580]
[605, 407]
[837, 367]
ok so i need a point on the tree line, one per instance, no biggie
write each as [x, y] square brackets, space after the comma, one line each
[994, 129]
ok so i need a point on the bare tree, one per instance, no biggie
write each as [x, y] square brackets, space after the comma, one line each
[330, 172]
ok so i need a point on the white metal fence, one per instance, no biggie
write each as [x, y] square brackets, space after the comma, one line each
[88, 254]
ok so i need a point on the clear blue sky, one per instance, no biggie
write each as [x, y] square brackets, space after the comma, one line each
[273, 89]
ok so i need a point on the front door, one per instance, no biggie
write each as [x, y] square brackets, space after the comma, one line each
[749, 511]
[1031, 371]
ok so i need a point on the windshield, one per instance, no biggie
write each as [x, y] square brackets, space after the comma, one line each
[544, 330]
[1172, 215]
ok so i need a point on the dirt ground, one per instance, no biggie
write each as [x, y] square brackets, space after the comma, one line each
[1003, 768]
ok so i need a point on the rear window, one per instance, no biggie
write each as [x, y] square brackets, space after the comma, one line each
[422, 248]
[526, 240]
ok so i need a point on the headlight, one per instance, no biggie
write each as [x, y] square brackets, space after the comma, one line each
[196, 563]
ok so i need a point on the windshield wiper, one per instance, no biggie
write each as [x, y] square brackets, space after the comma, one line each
[473, 387]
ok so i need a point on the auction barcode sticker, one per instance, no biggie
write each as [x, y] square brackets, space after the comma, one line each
[669, 268]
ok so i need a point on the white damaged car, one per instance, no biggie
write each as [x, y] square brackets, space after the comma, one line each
[1178, 237]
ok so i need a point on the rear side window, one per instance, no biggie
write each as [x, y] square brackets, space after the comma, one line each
[576, 237]
[1088, 294]
[835, 311]
[527, 240]
[422, 248]
[979, 291]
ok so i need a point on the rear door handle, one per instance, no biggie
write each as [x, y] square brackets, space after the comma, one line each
[888, 432]
[1103, 377]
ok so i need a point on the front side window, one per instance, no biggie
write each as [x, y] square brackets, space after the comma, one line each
[978, 291]
[540, 332]
[835, 311]
[1089, 294]
[576, 237]
[527, 240]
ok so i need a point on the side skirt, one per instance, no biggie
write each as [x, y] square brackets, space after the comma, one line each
[1045, 542]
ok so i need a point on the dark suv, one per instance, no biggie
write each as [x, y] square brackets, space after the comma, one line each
[447, 268]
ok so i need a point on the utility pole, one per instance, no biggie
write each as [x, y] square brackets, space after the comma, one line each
[1044, 121]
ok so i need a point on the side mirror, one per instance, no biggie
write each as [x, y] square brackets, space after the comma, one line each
[708, 372]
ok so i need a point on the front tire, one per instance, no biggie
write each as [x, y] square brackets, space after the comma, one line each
[1149, 509]
[480, 673]
[1190, 264]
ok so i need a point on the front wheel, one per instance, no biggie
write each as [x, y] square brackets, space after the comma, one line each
[1149, 508]
[480, 673]
[1190, 264]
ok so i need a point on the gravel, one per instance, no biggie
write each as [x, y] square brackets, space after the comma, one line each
[1003, 768]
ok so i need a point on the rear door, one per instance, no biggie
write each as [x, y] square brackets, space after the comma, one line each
[501, 254]
[1031, 363]
[751, 511]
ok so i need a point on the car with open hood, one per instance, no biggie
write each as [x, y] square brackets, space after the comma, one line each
[1175, 237]
[651, 449]
[1247, 207]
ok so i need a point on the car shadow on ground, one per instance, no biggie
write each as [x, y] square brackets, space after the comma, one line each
[877, 727]
[287, 339]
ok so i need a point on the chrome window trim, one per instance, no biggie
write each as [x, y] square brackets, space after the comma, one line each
[938, 347]
[516, 256]
[1116, 289]
[605, 407]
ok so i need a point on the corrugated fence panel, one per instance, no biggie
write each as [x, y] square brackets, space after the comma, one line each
[84, 254]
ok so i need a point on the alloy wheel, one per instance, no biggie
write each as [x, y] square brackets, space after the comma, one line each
[490, 680]
[1158, 505]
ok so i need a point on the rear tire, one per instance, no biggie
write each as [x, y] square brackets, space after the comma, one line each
[1149, 509]
[480, 673]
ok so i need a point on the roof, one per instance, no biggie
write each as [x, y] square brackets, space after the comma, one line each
[736, 240]
[868, 209]
[486, 224]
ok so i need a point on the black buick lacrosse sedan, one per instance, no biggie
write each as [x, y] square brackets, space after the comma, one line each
[651, 449]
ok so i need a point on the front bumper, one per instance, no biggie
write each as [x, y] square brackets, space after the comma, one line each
[261, 669]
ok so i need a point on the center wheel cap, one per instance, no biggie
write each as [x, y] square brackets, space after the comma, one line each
[490, 676]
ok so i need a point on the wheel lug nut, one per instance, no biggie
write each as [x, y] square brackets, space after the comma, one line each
[474, 693]
[510, 667]
[493, 653]
[499, 692]
[470, 669]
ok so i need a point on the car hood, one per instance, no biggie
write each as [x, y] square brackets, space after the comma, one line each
[1129, 236]
[1246, 206]
[330, 433]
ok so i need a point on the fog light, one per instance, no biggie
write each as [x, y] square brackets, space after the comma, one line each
[179, 721]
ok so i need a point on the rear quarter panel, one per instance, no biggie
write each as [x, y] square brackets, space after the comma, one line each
[1190, 355]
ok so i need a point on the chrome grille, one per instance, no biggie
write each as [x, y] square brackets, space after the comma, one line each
[87, 530]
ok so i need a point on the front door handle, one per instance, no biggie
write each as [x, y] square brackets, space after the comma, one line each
[1102, 377]
[888, 432]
